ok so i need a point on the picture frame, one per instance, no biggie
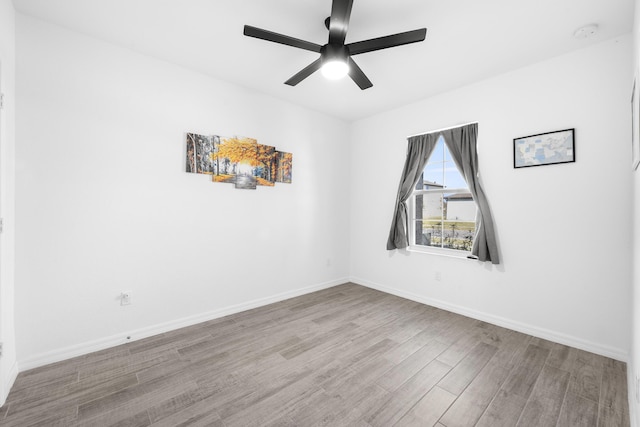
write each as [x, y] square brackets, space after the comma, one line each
[635, 124]
[544, 149]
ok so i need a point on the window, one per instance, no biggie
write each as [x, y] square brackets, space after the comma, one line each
[442, 213]
[449, 229]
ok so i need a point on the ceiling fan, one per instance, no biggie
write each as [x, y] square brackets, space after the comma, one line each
[335, 56]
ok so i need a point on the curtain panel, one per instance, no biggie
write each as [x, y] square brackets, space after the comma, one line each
[418, 151]
[463, 148]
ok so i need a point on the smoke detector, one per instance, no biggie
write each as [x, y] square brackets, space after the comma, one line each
[586, 32]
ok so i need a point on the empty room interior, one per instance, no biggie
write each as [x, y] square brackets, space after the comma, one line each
[201, 226]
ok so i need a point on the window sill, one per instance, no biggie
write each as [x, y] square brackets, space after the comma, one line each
[449, 253]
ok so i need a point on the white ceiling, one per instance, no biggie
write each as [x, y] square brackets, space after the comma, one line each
[467, 40]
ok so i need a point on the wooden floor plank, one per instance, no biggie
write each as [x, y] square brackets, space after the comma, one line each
[465, 371]
[343, 356]
[3, 411]
[74, 394]
[345, 411]
[471, 404]
[474, 401]
[578, 412]
[504, 410]
[132, 398]
[401, 372]
[523, 378]
[140, 419]
[350, 384]
[586, 377]
[429, 409]
[408, 395]
[459, 349]
[543, 407]
[613, 408]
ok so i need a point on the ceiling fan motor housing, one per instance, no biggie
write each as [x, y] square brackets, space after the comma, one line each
[330, 52]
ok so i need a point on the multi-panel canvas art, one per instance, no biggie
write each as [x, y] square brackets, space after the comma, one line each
[237, 160]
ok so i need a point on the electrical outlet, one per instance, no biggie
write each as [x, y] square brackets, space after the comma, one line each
[125, 298]
[438, 276]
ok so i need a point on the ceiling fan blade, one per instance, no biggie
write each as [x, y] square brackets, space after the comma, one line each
[305, 72]
[280, 38]
[358, 76]
[339, 21]
[387, 41]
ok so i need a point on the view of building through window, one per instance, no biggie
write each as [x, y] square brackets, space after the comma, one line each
[443, 211]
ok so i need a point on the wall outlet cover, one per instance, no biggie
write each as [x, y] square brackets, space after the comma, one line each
[125, 298]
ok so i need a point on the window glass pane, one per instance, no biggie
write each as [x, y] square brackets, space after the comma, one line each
[459, 207]
[433, 176]
[421, 238]
[431, 233]
[437, 155]
[458, 235]
[432, 206]
[433, 171]
[453, 177]
[418, 204]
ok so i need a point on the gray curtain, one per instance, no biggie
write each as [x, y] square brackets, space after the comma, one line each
[462, 145]
[418, 152]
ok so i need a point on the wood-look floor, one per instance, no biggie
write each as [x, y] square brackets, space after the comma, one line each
[345, 356]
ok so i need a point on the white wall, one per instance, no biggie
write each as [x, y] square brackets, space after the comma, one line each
[563, 230]
[104, 204]
[633, 367]
[8, 366]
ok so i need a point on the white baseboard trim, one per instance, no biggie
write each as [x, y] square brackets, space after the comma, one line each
[558, 337]
[6, 387]
[115, 340]
[138, 334]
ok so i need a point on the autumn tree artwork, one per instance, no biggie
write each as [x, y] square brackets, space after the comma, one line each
[237, 160]
[284, 166]
[199, 153]
[266, 165]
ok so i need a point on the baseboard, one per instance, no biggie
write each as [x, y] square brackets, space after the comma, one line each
[535, 331]
[134, 335]
[138, 334]
[11, 378]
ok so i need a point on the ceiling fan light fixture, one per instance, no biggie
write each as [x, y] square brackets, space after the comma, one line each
[335, 69]
[335, 57]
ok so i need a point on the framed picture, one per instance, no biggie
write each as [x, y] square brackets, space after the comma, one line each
[635, 124]
[544, 149]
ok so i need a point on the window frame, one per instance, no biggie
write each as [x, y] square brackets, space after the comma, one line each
[411, 217]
